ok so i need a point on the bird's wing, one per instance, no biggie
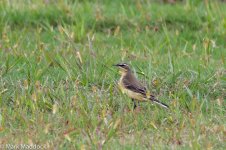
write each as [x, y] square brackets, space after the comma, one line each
[135, 87]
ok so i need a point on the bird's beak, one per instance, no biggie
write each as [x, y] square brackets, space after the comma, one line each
[117, 65]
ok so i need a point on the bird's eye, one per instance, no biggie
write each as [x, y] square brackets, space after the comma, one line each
[123, 65]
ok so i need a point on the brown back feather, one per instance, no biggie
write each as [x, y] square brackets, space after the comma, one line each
[130, 82]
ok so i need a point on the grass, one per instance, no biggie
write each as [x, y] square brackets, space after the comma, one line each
[58, 87]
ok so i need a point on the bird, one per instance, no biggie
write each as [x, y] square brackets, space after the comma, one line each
[133, 88]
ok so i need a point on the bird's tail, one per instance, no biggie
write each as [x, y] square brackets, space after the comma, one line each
[153, 99]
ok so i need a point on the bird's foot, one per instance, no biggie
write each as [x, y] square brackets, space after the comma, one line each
[137, 109]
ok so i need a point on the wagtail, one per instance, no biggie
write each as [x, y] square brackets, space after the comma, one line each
[130, 86]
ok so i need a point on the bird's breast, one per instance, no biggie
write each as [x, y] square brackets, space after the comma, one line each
[120, 84]
[130, 93]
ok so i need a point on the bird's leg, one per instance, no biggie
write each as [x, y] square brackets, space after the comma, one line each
[134, 104]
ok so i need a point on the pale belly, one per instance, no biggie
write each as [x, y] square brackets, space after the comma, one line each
[131, 94]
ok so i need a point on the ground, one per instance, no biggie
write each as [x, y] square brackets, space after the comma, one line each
[58, 86]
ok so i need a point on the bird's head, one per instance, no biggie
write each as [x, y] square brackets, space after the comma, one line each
[123, 68]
